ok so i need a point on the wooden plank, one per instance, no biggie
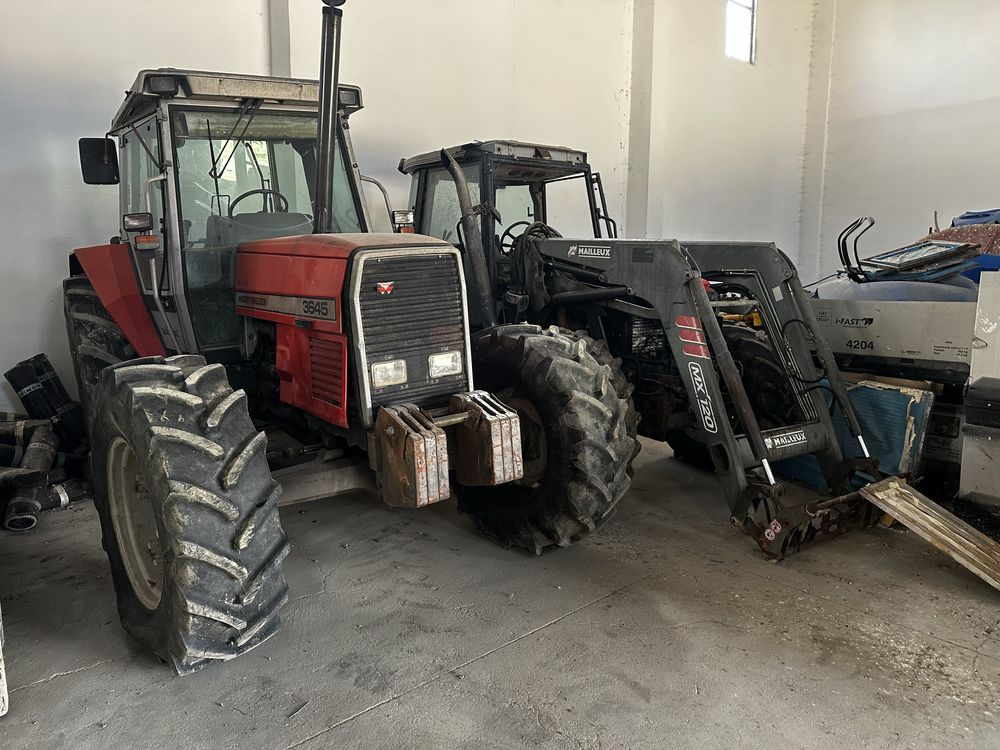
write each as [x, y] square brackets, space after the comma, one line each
[3, 674]
[969, 547]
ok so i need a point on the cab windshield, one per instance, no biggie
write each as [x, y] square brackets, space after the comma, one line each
[244, 175]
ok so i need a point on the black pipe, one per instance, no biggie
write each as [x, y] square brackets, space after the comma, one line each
[11, 455]
[329, 106]
[29, 379]
[13, 478]
[69, 421]
[25, 502]
[579, 297]
[473, 240]
[24, 380]
[62, 494]
[74, 464]
[19, 432]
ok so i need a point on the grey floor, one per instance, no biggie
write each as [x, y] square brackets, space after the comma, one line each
[405, 630]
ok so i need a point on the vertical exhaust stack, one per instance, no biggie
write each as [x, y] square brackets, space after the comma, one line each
[329, 103]
[473, 237]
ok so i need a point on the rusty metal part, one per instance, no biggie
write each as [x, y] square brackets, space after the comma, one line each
[488, 441]
[970, 548]
[449, 420]
[411, 467]
[790, 528]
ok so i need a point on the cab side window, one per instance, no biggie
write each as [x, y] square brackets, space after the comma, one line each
[441, 211]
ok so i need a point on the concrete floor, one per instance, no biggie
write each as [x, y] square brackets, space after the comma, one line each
[405, 630]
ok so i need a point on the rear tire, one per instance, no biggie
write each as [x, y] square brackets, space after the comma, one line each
[576, 436]
[95, 340]
[188, 510]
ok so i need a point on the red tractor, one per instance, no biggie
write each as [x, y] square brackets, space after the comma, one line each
[245, 319]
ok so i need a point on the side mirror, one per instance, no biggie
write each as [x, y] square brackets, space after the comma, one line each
[99, 161]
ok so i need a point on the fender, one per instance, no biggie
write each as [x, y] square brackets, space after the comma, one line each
[110, 270]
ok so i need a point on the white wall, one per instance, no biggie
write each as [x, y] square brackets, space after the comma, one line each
[64, 66]
[434, 74]
[726, 137]
[913, 110]
[452, 71]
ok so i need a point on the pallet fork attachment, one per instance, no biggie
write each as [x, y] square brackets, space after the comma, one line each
[795, 525]
[665, 280]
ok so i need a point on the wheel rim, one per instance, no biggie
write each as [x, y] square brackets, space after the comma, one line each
[534, 445]
[135, 524]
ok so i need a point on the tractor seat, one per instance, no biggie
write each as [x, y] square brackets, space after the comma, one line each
[221, 231]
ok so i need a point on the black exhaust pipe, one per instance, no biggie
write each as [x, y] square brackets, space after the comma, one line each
[473, 237]
[329, 104]
[24, 504]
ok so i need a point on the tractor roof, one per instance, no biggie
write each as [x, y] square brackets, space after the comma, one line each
[537, 152]
[153, 85]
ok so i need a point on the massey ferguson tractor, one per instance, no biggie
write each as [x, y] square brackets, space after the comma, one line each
[243, 299]
[718, 343]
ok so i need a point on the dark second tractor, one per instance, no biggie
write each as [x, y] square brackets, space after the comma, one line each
[718, 343]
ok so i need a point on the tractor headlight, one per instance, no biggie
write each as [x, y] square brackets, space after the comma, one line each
[388, 373]
[446, 363]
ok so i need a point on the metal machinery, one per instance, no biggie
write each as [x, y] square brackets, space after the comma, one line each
[719, 342]
[926, 312]
[244, 299]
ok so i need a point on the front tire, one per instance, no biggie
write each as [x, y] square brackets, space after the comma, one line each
[765, 382]
[577, 438]
[188, 510]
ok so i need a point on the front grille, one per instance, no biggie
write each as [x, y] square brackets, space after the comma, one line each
[326, 368]
[422, 315]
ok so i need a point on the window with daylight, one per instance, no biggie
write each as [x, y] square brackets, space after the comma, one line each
[741, 30]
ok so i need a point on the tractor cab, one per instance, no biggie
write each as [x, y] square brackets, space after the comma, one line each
[207, 161]
[246, 321]
[517, 185]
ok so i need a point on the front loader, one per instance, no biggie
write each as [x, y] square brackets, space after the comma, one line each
[718, 342]
[245, 332]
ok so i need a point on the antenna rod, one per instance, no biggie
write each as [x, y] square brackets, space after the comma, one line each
[329, 103]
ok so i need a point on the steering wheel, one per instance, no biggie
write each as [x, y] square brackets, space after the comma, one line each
[509, 232]
[282, 200]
